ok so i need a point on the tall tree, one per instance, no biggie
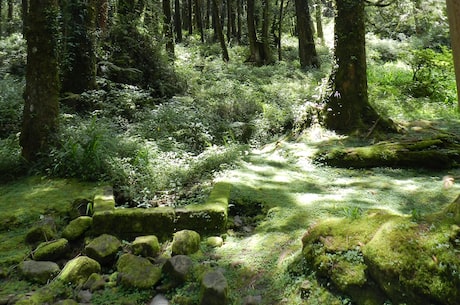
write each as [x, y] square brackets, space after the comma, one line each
[9, 16]
[178, 21]
[199, 18]
[348, 107]
[41, 95]
[24, 12]
[453, 12]
[219, 31]
[259, 50]
[319, 20]
[102, 14]
[307, 50]
[1, 18]
[168, 28]
[79, 64]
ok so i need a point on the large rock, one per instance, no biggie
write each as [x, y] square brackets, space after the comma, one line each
[79, 269]
[103, 249]
[95, 282]
[214, 289]
[41, 233]
[146, 246]
[159, 299]
[177, 268]
[77, 228]
[52, 250]
[137, 272]
[186, 242]
[39, 272]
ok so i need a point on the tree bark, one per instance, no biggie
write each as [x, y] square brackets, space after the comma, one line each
[254, 49]
[348, 107]
[199, 18]
[1, 18]
[319, 21]
[267, 53]
[41, 109]
[178, 21]
[190, 16]
[220, 33]
[167, 28]
[79, 72]
[453, 12]
[9, 16]
[102, 14]
[239, 5]
[307, 50]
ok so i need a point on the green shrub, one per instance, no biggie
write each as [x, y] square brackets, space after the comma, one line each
[11, 105]
[11, 162]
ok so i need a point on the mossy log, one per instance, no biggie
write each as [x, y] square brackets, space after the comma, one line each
[442, 152]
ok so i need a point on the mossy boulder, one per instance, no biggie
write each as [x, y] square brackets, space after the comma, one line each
[77, 228]
[52, 250]
[214, 241]
[95, 282]
[103, 249]
[41, 233]
[146, 246]
[214, 289]
[137, 272]
[78, 270]
[436, 153]
[177, 269]
[186, 242]
[388, 257]
[39, 272]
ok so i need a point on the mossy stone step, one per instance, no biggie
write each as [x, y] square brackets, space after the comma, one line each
[207, 218]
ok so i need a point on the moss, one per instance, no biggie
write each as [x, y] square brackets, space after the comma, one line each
[186, 242]
[78, 270]
[77, 227]
[146, 246]
[137, 272]
[51, 250]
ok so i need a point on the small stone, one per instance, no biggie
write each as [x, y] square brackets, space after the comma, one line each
[52, 250]
[40, 272]
[84, 296]
[214, 289]
[137, 272]
[159, 299]
[177, 269]
[252, 300]
[77, 227]
[95, 282]
[103, 249]
[146, 246]
[215, 241]
[186, 242]
[79, 269]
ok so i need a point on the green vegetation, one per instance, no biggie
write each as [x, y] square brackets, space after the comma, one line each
[259, 130]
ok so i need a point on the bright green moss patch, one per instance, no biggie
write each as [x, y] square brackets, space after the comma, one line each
[413, 263]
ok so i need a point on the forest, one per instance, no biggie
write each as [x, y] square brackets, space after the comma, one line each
[230, 152]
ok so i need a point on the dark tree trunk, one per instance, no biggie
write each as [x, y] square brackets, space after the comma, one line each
[24, 12]
[229, 19]
[199, 18]
[190, 17]
[280, 30]
[453, 12]
[1, 18]
[79, 70]
[307, 50]
[267, 53]
[319, 20]
[9, 16]
[220, 33]
[254, 49]
[167, 28]
[102, 14]
[177, 21]
[208, 18]
[41, 109]
[348, 108]
[239, 8]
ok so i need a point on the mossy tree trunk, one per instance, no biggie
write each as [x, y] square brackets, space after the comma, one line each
[319, 20]
[41, 95]
[348, 108]
[178, 20]
[218, 29]
[453, 12]
[79, 60]
[9, 16]
[307, 50]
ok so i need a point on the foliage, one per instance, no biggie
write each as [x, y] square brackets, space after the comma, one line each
[120, 296]
[11, 163]
[11, 104]
[12, 55]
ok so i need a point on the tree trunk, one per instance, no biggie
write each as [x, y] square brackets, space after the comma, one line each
[453, 12]
[319, 21]
[307, 50]
[1, 18]
[102, 14]
[167, 28]
[254, 49]
[24, 12]
[178, 21]
[280, 30]
[41, 109]
[199, 18]
[348, 108]
[220, 33]
[79, 69]
[239, 5]
[9, 16]
[190, 17]
[267, 53]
